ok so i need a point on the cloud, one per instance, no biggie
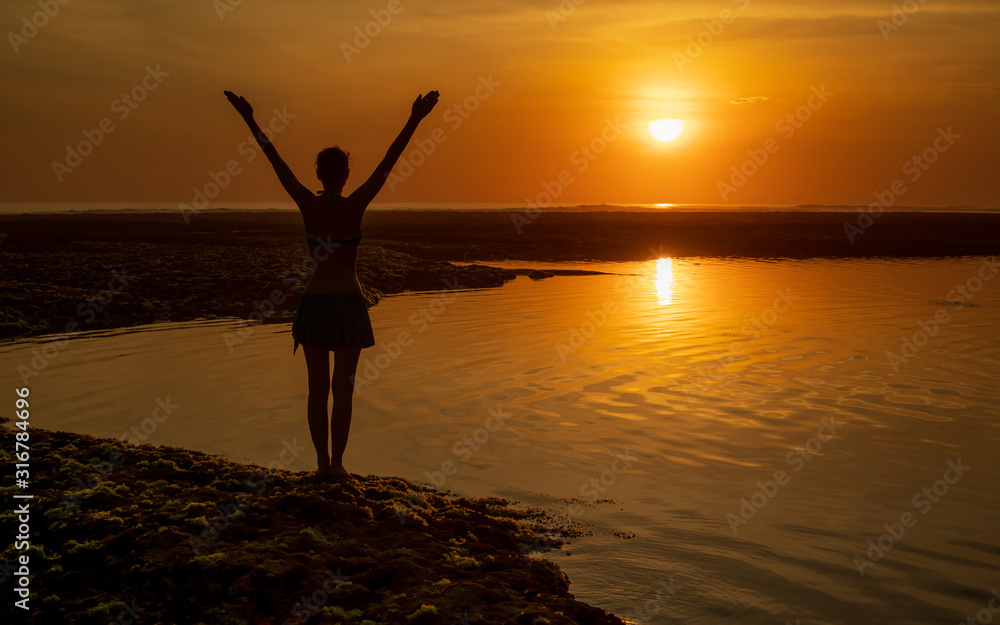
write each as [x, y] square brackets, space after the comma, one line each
[751, 99]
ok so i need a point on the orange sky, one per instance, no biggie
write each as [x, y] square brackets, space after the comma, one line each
[561, 75]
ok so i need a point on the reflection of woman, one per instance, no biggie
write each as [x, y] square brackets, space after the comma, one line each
[332, 315]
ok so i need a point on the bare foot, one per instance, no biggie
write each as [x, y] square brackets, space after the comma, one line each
[313, 478]
[337, 474]
[322, 474]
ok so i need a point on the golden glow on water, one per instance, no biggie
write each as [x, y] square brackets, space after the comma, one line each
[710, 395]
[665, 281]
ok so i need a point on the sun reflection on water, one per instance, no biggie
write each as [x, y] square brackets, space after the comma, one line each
[665, 280]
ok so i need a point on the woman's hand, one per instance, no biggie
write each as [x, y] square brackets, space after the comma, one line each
[240, 104]
[423, 105]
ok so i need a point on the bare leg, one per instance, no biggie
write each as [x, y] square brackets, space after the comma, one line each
[345, 365]
[318, 366]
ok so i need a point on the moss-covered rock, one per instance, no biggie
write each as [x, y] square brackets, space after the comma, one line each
[178, 536]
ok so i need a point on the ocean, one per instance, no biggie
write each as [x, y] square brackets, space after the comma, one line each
[755, 441]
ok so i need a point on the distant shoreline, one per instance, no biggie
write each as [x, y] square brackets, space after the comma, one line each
[224, 264]
[448, 235]
[111, 208]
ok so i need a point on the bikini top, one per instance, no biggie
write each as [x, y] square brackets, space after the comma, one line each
[351, 241]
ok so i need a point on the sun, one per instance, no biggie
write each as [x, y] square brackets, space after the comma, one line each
[666, 130]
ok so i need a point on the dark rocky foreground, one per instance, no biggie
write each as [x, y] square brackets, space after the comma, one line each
[154, 535]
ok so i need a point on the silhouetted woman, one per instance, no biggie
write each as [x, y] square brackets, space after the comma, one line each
[332, 315]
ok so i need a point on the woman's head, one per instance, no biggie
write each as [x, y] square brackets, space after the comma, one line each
[333, 167]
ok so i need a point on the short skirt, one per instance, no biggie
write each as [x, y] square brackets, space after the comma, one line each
[332, 320]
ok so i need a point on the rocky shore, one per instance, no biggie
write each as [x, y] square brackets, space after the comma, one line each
[123, 534]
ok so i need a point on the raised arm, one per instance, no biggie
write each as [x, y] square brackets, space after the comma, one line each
[298, 191]
[422, 106]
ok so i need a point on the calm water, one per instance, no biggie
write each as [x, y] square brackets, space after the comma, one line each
[678, 390]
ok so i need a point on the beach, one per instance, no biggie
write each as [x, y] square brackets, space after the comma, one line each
[671, 313]
[710, 436]
[124, 533]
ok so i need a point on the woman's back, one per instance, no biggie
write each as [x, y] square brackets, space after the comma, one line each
[333, 234]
